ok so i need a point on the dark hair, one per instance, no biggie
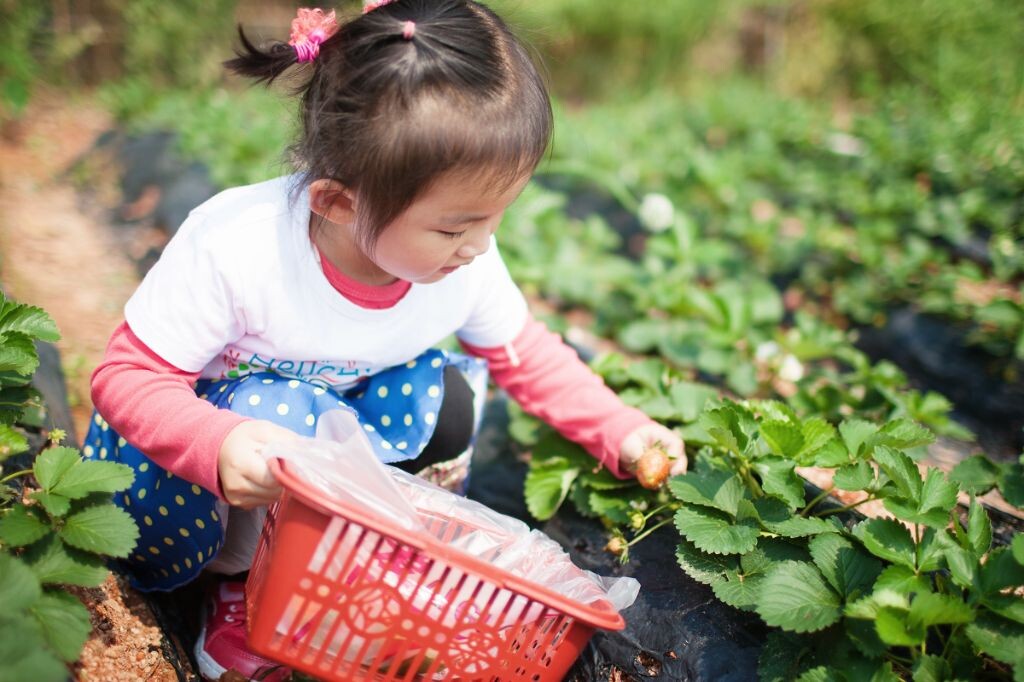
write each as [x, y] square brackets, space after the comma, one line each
[386, 115]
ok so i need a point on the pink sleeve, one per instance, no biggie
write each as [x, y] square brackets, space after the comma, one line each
[548, 380]
[152, 405]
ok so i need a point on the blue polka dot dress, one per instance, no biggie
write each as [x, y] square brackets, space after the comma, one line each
[180, 527]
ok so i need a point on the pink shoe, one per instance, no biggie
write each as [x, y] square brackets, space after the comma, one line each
[221, 645]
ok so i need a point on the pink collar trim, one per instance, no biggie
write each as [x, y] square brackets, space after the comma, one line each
[364, 295]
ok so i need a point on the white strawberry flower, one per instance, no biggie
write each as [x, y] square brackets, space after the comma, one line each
[791, 370]
[657, 212]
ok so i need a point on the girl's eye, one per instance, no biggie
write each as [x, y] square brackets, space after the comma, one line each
[453, 235]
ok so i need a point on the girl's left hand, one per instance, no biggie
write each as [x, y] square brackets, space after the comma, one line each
[643, 438]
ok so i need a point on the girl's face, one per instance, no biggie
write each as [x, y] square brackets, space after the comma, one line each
[444, 229]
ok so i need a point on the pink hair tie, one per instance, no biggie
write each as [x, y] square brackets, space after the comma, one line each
[370, 5]
[408, 30]
[309, 29]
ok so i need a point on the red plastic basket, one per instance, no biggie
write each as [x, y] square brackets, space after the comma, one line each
[344, 595]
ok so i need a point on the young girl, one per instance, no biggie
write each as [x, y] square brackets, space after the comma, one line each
[277, 302]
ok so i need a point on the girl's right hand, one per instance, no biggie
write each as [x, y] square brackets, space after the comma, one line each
[245, 477]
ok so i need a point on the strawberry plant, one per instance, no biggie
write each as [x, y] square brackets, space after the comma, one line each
[55, 533]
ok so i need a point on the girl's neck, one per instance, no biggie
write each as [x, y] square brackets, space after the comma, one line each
[337, 244]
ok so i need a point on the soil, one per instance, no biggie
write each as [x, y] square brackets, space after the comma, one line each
[59, 253]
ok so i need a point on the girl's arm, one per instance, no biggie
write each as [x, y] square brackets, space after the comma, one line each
[548, 380]
[152, 405]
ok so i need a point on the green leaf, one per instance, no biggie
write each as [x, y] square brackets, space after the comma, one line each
[12, 442]
[895, 628]
[770, 551]
[831, 455]
[19, 588]
[690, 398]
[1011, 484]
[963, 565]
[18, 354]
[65, 623]
[1006, 605]
[1001, 639]
[785, 439]
[928, 609]
[799, 527]
[854, 476]
[783, 656]
[1001, 571]
[794, 596]
[855, 433]
[51, 465]
[975, 475]
[24, 655]
[902, 434]
[740, 592]
[22, 526]
[902, 471]
[611, 505]
[709, 487]
[28, 320]
[848, 569]
[979, 529]
[932, 669]
[1017, 546]
[94, 476]
[715, 532]
[887, 539]
[104, 529]
[908, 511]
[730, 426]
[55, 563]
[56, 505]
[937, 492]
[703, 567]
[546, 486]
[779, 479]
[902, 580]
[817, 433]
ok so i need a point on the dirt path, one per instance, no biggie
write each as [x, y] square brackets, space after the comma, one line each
[54, 251]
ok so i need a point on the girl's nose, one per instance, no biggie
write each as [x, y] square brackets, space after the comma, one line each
[476, 245]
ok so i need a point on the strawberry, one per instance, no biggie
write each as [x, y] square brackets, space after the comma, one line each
[652, 468]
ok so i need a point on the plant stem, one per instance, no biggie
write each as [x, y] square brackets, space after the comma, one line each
[667, 505]
[648, 531]
[846, 507]
[821, 496]
[15, 475]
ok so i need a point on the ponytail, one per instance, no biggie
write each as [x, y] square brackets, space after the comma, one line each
[263, 65]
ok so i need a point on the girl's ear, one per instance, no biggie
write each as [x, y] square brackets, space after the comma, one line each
[332, 201]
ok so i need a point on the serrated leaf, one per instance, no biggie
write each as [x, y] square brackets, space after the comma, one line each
[546, 486]
[56, 505]
[94, 476]
[1011, 484]
[768, 552]
[902, 580]
[817, 433]
[908, 511]
[887, 539]
[11, 442]
[928, 609]
[979, 529]
[903, 434]
[19, 587]
[902, 471]
[799, 527]
[932, 669]
[867, 608]
[962, 564]
[819, 673]
[854, 476]
[848, 569]
[689, 399]
[104, 529]
[26, 319]
[1009, 606]
[794, 596]
[53, 562]
[1000, 572]
[855, 433]
[785, 439]
[831, 455]
[709, 487]
[1017, 546]
[51, 465]
[18, 354]
[703, 567]
[730, 426]
[740, 592]
[937, 492]
[1001, 639]
[864, 637]
[24, 655]
[895, 628]
[783, 656]
[779, 479]
[22, 526]
[715, 532]
[975, 475]
[611, 505]
[64, 622]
